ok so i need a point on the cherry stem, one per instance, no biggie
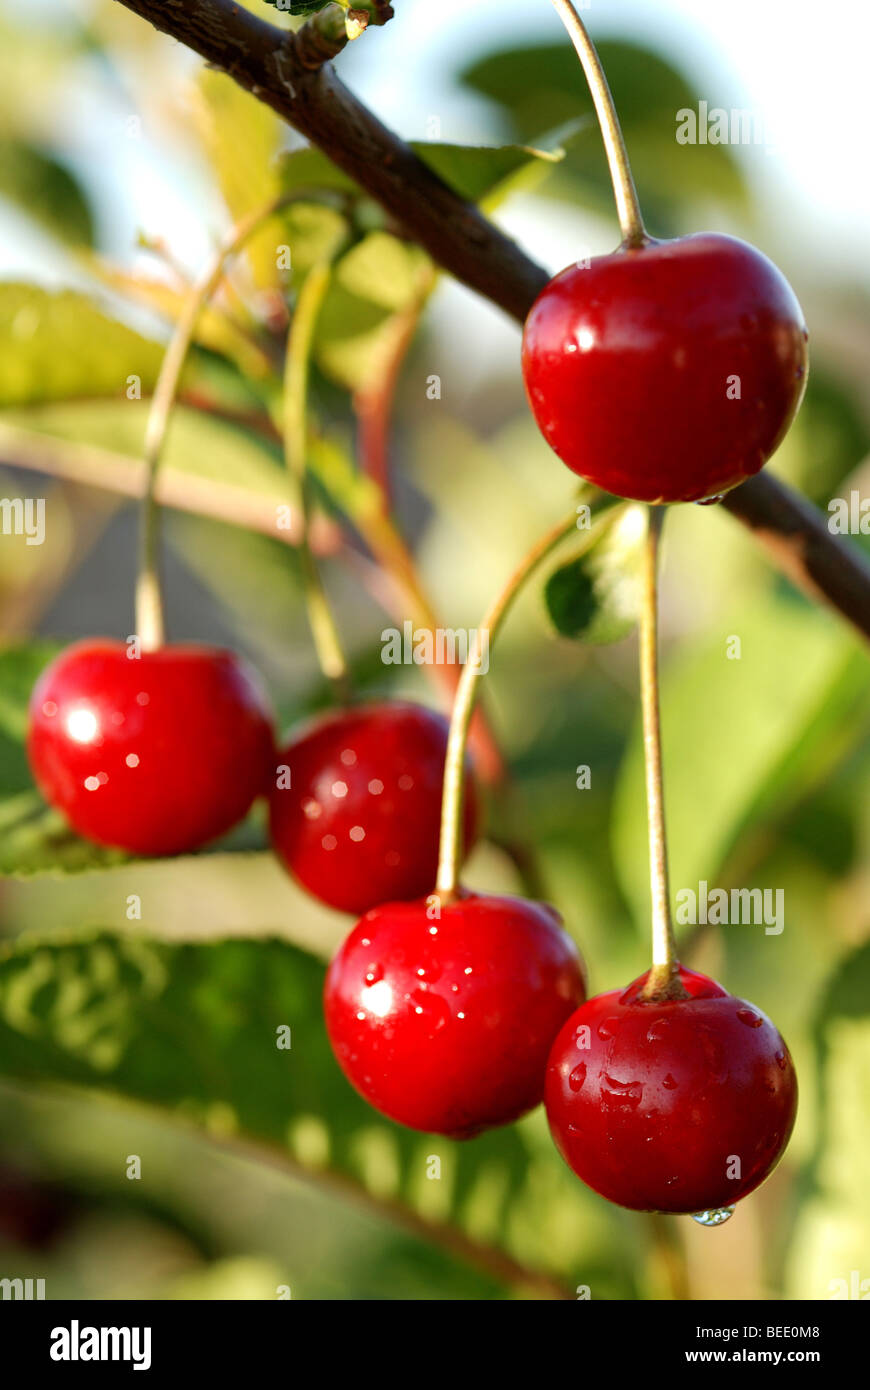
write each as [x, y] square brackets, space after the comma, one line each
[149, 595]
[297, 362]
[664, 976]
[624, 191]
[450, 847]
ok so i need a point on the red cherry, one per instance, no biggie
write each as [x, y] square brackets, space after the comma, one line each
[444, 1022]
[359, 823]
[682, 1105]
[632, 365]
[157, 754]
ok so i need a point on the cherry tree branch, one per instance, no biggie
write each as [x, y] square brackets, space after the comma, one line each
[796, 535]
[292, 74]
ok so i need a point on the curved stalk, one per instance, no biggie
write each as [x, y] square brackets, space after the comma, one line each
[664, 977]
[450, 847]
[624, 191]
[149, 598]
[296, 373]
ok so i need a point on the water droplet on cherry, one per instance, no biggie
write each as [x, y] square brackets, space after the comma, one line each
[621, 1094]
[750, 1018]
[577, 1077]
[716, 1216]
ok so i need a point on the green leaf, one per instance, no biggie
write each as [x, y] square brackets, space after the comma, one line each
[827, 1255]
[76, 1136]
[58, 345]
[475, 172]
[597, 596]
[37, 840]
[194, 1028]
[391, 273]
[242, 138]
[19, 669]
[350, 338]
[309, 168]
[542, 87]
[480, 173]
[43, 187]
[313, 232]
[353, 492]
[742, 737]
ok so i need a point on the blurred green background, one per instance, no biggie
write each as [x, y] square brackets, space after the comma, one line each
[121, 160]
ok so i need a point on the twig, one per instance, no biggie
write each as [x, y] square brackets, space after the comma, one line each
[373, 405]
[327, 643]
[91, 466]
[795, 534]
[450, 847]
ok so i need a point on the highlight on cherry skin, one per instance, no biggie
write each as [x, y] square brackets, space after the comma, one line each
[667, 372]
[358, 823]
[442, 1018]
[156, 754]
[671, 1105]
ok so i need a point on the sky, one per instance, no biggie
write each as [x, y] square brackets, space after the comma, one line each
[802, 68]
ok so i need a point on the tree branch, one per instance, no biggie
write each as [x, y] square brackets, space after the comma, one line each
[281, 69]
[797, 537]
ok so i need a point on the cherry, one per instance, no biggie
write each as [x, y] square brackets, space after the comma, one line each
[156, 754]
[667, 372]
[679, 1105]
[358, 824]
[443, 1022]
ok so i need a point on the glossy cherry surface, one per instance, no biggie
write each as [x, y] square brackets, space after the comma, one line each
[156, 754]
[444, 1022]
[359, 823]
[669, 372]
[681, 1105]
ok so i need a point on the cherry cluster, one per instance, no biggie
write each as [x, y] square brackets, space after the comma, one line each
[666, 372]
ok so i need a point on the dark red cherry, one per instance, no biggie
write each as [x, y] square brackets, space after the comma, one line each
[359, 823]
[680, 1105]
[443, 1022]
[156, 754]
[668, 372]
